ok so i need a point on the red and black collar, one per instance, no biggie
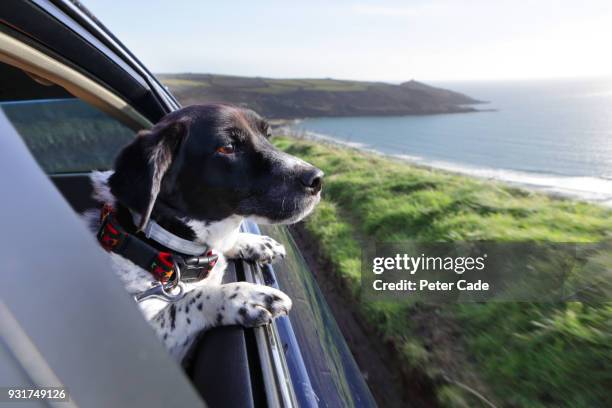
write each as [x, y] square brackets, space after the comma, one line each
[163, 265]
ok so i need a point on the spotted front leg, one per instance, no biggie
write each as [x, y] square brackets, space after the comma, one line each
[242, 303]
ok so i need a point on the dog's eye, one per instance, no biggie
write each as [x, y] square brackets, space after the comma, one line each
[265, 129]
[227, 149]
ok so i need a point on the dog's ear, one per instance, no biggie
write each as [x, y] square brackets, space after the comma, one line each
[141, 166]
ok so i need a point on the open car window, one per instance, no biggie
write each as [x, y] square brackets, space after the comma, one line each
[63, 133]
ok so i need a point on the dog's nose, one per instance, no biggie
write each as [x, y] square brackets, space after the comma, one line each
[312, 178]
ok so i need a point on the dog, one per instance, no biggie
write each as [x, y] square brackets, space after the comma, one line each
[184, 187]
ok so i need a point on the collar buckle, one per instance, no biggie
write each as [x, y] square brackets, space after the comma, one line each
[197, 268]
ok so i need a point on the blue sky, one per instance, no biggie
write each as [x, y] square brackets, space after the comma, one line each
[371, 40]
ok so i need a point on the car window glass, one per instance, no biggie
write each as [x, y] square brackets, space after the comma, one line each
[63, 133]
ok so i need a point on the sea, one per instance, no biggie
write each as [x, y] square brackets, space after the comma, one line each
[553, 135]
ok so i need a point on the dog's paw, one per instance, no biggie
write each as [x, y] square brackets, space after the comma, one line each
[252, 305]
[267, 250]
[257, 248]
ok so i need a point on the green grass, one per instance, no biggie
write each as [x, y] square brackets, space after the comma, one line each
[265, 85]
[521, 354]
[184, 83]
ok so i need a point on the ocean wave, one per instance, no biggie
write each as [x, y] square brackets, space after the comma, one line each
[593, 189]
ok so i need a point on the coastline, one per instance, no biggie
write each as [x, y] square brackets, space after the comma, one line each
[589, 189]
[460, 348]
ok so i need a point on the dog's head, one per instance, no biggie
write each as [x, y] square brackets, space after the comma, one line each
[210, 162]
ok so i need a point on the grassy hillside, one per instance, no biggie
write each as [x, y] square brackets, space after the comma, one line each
[516, 354]
[297, 98]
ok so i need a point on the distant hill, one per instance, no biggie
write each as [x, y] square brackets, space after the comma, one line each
[298, 98]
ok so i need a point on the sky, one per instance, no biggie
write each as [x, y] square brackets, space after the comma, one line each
[435, 40]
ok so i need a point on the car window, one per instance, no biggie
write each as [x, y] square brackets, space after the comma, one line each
[63, 133]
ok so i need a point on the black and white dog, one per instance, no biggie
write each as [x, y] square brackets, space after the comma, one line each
[183, 188]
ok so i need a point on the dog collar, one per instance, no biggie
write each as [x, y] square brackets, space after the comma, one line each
[167, 267]
[158, 233]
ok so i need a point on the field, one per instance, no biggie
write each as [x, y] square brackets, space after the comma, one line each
[512, 354]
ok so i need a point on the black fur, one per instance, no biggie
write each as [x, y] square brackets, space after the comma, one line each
[172, 316]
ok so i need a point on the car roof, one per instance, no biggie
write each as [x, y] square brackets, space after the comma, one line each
[79, 40]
